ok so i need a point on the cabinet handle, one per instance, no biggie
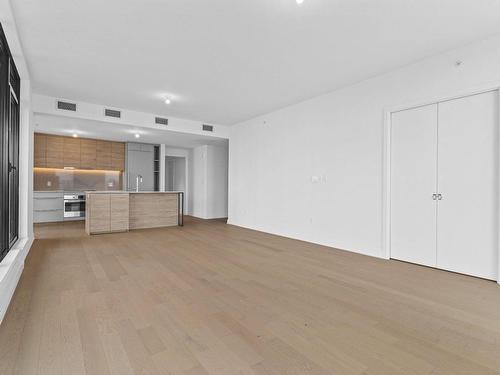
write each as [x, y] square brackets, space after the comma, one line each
[440, 197]
[434, 196]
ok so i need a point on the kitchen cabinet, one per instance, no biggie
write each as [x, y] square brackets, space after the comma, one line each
[118, 156]
[48, 207]
[107, 213]
[40, 152]
[54, 154]
[110, 211]
[54, 151]
[98, 214]
[71, 152]
[104, 155]
[119, 206]
[88, 154]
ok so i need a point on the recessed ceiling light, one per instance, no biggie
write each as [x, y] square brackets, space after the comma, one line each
[137, 135]
[300, 1]
[168, 101]
[75, 135]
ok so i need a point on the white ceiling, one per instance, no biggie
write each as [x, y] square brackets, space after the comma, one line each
[119, 132]
[224, 61]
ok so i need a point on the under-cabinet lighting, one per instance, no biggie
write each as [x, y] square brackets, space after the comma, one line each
[72, 169]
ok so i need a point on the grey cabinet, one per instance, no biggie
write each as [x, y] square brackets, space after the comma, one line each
[140, 161]
[48, 207]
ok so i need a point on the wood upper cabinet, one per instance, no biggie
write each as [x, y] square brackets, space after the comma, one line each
[104, 155]
[54, 151]
[71, 155]
[40, 152]
[118, 156]
[88, 154]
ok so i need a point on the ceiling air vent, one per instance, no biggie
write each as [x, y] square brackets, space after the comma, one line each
[208, 128]
[112, 113]
[66, 106]
[161, 121]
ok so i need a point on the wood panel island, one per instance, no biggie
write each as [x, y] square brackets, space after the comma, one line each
[120, 211]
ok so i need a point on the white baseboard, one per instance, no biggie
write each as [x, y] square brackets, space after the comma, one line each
[11, 269]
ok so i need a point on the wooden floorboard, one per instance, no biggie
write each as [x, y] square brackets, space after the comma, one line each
[214, 299]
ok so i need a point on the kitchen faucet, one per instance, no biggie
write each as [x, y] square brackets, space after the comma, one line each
[138, 181]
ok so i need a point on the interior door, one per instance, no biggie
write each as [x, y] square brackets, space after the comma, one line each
[413, 183]
[467, 213]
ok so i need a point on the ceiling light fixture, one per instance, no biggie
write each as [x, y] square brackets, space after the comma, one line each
[137, 135]
[168, 101]
[300, 1]
[75, 135]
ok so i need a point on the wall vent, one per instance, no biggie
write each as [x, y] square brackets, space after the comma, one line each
[208, 128]
[112, 113]
[161, 121]
[66, 106]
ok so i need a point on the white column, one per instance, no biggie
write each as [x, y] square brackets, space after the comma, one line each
[162, 167]
[25, 162]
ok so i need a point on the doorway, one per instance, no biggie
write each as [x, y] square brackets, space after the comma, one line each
[175, 173]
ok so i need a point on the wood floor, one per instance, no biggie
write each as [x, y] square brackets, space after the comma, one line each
[210, 298]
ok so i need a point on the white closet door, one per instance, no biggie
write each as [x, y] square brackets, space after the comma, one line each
[413, 181]
[467, 170]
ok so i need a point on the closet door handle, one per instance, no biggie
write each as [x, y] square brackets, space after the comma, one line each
[440, 197]
[434, 196]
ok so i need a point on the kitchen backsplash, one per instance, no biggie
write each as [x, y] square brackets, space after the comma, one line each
[76, 180]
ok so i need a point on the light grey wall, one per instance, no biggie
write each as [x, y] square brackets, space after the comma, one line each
[140, 161]
[314, 171]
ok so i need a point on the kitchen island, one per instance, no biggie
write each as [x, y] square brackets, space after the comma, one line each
[121, 211]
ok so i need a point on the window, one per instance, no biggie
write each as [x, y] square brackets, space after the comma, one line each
[9, 149]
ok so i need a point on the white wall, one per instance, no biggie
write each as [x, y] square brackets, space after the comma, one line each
[217, 172]
[338, 138]
[209, 175]
[12, 265]
[47, 105]
[199, 178]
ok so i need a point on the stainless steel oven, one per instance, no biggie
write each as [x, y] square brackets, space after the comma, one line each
[74, 205]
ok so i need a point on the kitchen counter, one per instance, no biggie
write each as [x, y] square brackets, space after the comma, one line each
[134, 192]
[121, 211]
